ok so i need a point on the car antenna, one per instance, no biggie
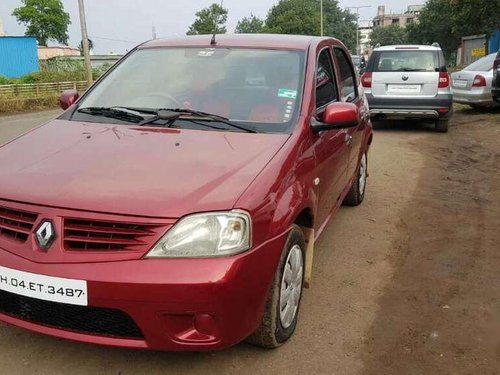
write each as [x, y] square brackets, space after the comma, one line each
[216, 21]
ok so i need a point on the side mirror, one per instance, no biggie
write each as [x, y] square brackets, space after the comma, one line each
[337, 116]
[68, 98]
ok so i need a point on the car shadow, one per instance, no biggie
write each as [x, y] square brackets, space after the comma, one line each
[478, 110]
[403, 125]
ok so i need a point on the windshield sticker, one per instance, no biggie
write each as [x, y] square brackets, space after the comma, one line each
[286, 93]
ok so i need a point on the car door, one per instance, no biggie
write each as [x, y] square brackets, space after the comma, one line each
[349, 92]
[331, 150]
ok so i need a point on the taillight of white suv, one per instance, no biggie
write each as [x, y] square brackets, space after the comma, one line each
[366, 80]
[444, 80]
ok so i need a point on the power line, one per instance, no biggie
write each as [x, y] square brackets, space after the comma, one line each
[114, 40]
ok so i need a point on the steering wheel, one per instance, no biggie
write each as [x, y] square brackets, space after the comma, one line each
[160, 103]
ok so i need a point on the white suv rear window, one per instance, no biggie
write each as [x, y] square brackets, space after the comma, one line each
[406, 61]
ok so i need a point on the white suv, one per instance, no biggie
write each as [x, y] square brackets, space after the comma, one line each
[409, 82]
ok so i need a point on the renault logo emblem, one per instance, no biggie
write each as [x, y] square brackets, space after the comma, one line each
[45, 234]
[405, 77]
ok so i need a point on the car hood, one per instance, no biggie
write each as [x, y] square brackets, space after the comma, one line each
[154, 172]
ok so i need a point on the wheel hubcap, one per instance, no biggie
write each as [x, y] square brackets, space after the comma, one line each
[291, 286]
[362, 175]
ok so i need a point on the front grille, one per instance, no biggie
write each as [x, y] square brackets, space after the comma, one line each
[16, 224]
[92, 235]
[82, 319]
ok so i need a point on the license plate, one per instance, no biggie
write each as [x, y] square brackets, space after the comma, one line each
[48, 288]
[460, 83]
[413, 89]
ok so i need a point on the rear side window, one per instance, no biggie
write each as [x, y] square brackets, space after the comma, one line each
[406, 61]
[326, 90]
[347, 76]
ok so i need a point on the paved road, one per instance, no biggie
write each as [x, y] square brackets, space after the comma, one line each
[407, 283]
[12, 126]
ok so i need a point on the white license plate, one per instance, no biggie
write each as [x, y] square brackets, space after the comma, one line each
[413, 89]
[48, 288]
[460, 83]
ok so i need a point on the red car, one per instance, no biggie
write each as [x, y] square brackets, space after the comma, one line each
[175, 205]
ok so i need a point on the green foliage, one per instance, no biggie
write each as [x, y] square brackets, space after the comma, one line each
[208, 19]
[340, 24]
[303, 17]
[447, 21]
[45, 20]
[300, 17]
[388, 35]
[57, 70]
[250, 25]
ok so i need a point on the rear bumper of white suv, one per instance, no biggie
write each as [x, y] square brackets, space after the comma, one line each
[438, 107]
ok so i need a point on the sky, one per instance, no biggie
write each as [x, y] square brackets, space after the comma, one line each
[116, 26]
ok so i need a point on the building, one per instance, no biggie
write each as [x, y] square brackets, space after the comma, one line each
[365, 31]
[45, 53]
[402, 19]
[18, 56]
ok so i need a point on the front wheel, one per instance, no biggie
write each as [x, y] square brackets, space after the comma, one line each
[283, 301]
[357, 193]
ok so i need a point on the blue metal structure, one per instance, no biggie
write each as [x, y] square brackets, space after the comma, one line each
[18, 56]
[494, 44]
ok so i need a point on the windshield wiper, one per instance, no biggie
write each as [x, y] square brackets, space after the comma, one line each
[112, 112]
[413, 70]
[173, 114]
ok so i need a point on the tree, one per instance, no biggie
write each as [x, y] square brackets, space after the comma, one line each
[45, 19]
[208, 20]
[249, 25]
[388, 35]
[340, 24]
[447, 21]
[303, 17]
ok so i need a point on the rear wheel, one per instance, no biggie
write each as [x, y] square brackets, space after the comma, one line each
[283, 301]
[357, 193]
[442, 126]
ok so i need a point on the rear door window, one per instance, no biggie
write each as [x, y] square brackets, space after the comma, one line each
[406, 61]
[347, 76]
[326, 89]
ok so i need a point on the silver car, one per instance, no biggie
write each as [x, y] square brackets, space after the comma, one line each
[472, 85]
[409, 82]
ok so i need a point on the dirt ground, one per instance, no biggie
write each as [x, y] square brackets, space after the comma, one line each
[407, 283]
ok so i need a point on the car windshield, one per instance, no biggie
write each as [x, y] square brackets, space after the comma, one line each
[484, 64]
[405, 60]
[259, 87]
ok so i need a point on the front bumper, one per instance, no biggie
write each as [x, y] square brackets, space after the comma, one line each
[439, 107]
[176, 304]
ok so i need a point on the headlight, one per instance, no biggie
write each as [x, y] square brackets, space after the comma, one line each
[205, 235]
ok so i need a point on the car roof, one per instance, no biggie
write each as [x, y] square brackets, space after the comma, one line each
[278, 41]
[409, 47]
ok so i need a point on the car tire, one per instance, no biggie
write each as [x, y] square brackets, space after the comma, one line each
[276, 326]
[442, 126]
[356, 194]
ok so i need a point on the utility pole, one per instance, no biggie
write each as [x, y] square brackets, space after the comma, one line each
[321, 12]
[85, 43]
[357, 25]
